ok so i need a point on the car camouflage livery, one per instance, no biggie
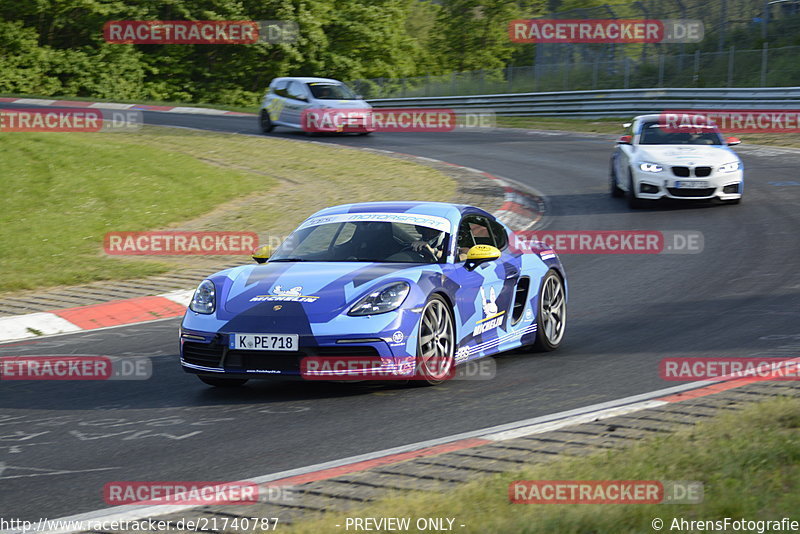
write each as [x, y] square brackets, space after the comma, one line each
[414, 288]
[653, 161]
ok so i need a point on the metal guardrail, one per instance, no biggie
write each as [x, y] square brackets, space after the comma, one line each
[607, 103]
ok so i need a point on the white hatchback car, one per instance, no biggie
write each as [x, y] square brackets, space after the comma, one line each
[652, 162]
[289, 100]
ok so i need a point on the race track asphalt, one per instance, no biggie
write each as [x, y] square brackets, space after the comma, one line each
[60, 442]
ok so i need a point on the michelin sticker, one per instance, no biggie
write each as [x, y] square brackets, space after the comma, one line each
[492, 318]
[279, 294]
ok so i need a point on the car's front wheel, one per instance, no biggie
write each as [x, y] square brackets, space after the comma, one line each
[616, 192]
[222, 382]
[634, 201]
[265, 122]
[551, 316]
[435, 343]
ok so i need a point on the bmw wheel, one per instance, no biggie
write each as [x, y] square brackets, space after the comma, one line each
[633, 201]
[551, 316]
[616, 192]
[435, 343]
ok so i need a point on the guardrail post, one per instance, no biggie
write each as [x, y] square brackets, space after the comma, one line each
[764, 54]
[730, 65]
[696, 75]
[594, 72]
[661, 70]
[627, 72]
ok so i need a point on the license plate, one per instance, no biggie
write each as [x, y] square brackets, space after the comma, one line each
[263, 341]
[691, 185]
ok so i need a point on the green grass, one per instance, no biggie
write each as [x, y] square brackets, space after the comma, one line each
[749, 463]
[63, 191]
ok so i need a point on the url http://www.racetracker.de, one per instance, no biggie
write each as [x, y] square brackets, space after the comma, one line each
[201, 524]
[726, 524]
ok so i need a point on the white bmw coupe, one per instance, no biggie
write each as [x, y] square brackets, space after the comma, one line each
[653, 161]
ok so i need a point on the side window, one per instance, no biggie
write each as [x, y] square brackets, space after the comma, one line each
[473, 230]
[280, 88]
[500, 234]
[297, 91]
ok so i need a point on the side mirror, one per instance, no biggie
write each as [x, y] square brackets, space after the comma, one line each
[481, 254]
[625, 140]
[627, 125]
[262, 253]
[732, 141]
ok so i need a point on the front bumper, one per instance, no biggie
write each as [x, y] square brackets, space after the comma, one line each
[209, 354]
[724, 186]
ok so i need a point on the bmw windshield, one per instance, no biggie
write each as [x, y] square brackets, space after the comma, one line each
[364, 241]
[654, 133]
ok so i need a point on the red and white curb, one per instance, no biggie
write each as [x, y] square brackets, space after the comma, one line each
[94, 316]
[113, 105]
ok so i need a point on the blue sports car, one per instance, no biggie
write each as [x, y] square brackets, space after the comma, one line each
[413, 288]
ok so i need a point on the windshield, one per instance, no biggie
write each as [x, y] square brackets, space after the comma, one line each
[331, 91]
[367, 241]
[654, 133]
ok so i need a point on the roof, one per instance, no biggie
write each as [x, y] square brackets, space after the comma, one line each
[306, 79]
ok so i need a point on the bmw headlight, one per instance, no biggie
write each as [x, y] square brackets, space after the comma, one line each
[205, 298]
[733, 166]
[650, 167]
[381, 300]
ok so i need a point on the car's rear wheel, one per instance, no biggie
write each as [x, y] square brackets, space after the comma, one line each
[616, 192]
[551, 316]
[435, 343]
[265, 122]
[222, 382]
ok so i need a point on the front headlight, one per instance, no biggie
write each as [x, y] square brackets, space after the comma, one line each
[733, 166]
[205, 298]
[650, 167]
[382, 300]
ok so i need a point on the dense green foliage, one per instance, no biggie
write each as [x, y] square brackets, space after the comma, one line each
[56, 47]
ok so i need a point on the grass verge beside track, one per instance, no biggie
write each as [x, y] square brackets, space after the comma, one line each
[63, 191]
[748, 461]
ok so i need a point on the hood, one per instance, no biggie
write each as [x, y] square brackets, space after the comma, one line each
[686, 155]
[322, 289]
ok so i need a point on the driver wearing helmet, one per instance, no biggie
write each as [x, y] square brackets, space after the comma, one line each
[431, 240]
